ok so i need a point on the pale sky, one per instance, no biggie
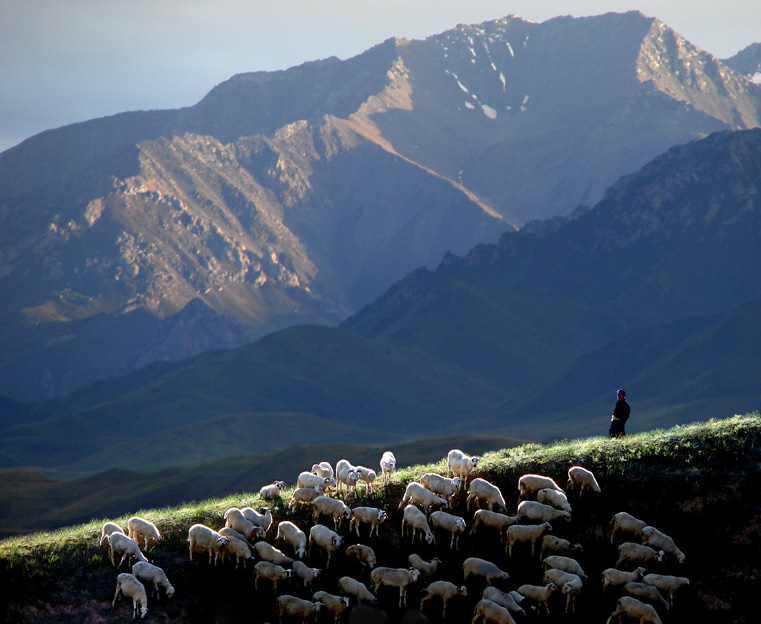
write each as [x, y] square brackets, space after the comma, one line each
[64, 61]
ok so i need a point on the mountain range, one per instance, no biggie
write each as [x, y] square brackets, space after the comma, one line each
[300, 196]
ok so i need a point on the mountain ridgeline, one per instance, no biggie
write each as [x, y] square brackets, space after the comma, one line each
[299, 196]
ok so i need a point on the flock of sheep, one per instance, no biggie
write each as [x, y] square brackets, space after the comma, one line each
[244, 536]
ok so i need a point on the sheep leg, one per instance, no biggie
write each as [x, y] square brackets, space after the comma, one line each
[116, 595]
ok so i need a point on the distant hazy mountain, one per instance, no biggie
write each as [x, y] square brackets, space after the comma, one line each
[298, 196]
[747, 62]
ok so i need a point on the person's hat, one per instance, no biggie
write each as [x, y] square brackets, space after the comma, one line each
[621, 391]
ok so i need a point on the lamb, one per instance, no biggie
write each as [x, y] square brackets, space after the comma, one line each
[395, 577]
[202, 538]
[335, 604]
[323, 469]
[305, 573]
[234, 519]
[427, 568]
[444, 590]
[272, 491]
[490, 611]
[267, 552]
[460, 465]
[482, 490]
[369, 515]
[388, 465]
[494, 520]
[582, 479]
[571, 589]
[270, 572]
[539, 594]
[346, 474]
[485, 569]
[324, 505]
[530, 484]
[304, 495]
[296, 607]
[354, 589]
[626, 523]
[666, 583]
[108, 528]
[417, 494]
[118, 543]
[132, 588]
[553, 498]
[238, 548]
[656, 539]
[148, 573]
[262, 519]
[503, 600]
[636, 610]
[553, 545]
[447, 522]
[559, 562]
[364, 555]
[416, 519]
[293, 536]
[143, 530]
[525, 533]
[326, 539]
[539, 512]
[611, 577]
[441, 486]
[307, 479]
[629, 552]
[367, 476]
[646, 593]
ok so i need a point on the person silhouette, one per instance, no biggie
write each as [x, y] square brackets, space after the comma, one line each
[620, 415]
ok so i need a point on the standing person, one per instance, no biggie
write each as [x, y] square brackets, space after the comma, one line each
[620, 416]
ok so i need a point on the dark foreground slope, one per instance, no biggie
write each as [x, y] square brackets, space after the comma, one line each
[698, 483]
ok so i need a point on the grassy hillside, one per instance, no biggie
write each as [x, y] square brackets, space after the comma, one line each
[697, 483]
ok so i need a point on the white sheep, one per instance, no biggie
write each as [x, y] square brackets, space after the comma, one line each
[323, 469]
[634, 609]
[611, 577]
[148, 573]
[140, 529]
[304, 495]
[128, 585]
[387, 465]
[305, 573]
[530, 484]
[416, 520]
[582, 479]
[120, 544]
[454, 525]
[234, 519]
[460, 465]
[539, 512]
[367, 476]
[485, 569]
[646, 593]
[326, 539]
[292, 535]
[562, 579]
[525, 533]
[444, 590]
[427, 568]
[296, 607]
[261, 518]
[394, 577]
[571, 589]
[481, 490]
[503, 600]
[553, 545]
[490, 611]
[638, 554]
[346, 474]
[553, 498]
[237, 548]
[336, 509]
[335, 604]
[654, 538]
[270, 572]
[441, 486]
[108, 528]
[272, 491]
[367, 515]
[626, 523]
[228, 532]
[352, 588]
[364, 555]
[561, 562]
[418, 495]
[204, 539]
[540, 594]
[267, 552]
[493, 520]
[308, 479]
[666, 583]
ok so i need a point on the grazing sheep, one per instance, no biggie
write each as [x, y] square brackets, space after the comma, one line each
[553, 498]
[305, 573]
[367, 476]
[427, 568]
[354, 589]
[530, 484]
[460, 465]
[336, 509]
[309, 480]
[417, 494]
[364, 555]
[228, 532]
[493, 520]
[238, 548]
[617, 578]
[335, 604]
[262, 519]
[646, 593]
[108, 528]
[553, 545]
[346, 474]
[626, 523]
[272, 491]
[582, 479]
[326, 539]
[234, 519]
[571, 589]
[444, 590]
[452, 524]
[304, 495]
[485, 569]
[656, 539]
[563, 579]
[666, 583]
[132, 588]
[148, 573]
[323, 469]
[416, 519]
[503, 600]
[629, 552]
[636, 610]
[482, 491]
[394, 577]
[559, 562]
[267, 552]
[539, 512]
[490, 611]
[118, 543]
[369, 515]
[270, 572]
[441, 486]
[296, 607]
[539, 594]
[388, 465]
[525, 533]
[293, 536]
[204, 539]
[140, 529]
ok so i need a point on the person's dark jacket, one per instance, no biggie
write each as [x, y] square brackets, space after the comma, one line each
[621, 410]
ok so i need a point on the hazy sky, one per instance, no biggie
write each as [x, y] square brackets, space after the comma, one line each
[63, 61]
